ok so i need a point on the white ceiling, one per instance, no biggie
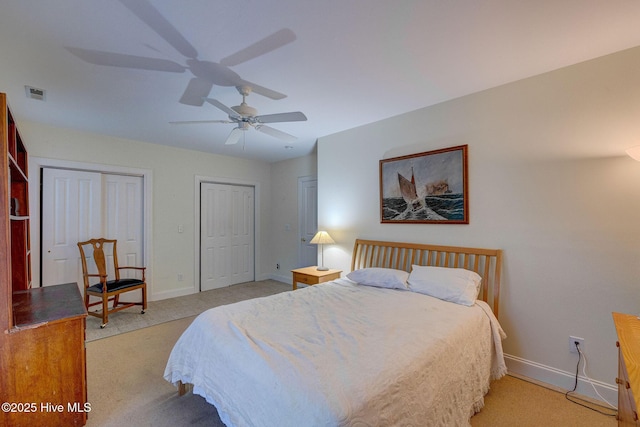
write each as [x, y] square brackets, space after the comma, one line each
[349, 62]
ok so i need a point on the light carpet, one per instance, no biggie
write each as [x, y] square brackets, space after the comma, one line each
[126, 388]
[177, 308]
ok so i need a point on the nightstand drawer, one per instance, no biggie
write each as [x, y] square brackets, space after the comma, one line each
[307, 280]
[313, 276]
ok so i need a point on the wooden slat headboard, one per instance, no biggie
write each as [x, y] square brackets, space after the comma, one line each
[401, 256]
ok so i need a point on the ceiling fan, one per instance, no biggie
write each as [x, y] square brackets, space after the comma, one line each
[246, 116]
[205, 73]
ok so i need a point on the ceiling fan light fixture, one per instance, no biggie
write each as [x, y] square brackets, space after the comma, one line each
[245, 116]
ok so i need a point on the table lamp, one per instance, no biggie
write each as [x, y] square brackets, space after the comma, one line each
[322, 238]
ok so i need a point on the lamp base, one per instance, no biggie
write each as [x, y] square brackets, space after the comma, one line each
[322, 268]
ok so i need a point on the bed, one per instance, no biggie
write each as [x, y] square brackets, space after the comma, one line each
[409, 337]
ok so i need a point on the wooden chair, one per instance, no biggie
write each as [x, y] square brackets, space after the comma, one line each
[113, 287]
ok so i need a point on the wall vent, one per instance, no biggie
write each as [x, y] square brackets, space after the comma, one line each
[35, 93]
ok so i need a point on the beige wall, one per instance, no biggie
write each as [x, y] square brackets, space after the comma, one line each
[173, 173]
[284, 213]
[549, 183]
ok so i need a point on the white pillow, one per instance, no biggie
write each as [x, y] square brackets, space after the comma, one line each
[457, 285]
[380, 277]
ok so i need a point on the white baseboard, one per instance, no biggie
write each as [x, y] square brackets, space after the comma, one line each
[284, 278]
[173, 293]
[562, 380]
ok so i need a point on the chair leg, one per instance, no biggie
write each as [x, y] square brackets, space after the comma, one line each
[144, 298]
[105, 309]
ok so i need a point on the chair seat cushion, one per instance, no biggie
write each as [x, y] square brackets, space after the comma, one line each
[115, 285]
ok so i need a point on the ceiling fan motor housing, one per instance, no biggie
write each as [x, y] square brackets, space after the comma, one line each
[245, 110]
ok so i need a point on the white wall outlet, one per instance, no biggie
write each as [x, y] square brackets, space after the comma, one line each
[180, 277]
[572, 344]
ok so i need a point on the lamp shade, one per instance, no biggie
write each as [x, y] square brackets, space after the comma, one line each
[634, 152]
[322, 238]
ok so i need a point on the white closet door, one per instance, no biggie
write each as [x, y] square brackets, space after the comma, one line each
[227, 235]
[122, 197]
[123, 219]
[78, 206]
[71, 212]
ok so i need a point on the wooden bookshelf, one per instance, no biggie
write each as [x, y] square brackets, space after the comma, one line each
[16, 175]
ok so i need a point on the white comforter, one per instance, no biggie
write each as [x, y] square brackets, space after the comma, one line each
[341, 354]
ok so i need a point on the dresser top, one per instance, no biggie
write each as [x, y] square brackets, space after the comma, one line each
[47, 304]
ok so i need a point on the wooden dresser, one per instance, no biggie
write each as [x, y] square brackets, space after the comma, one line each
[628, 380]
[47, 364]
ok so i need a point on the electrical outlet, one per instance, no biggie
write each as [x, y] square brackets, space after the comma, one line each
[277, 266]
[572, 344]
[180, 277]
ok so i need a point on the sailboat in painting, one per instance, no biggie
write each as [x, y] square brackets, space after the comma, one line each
[408, 191]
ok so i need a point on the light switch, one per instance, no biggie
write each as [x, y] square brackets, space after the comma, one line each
[180, 228]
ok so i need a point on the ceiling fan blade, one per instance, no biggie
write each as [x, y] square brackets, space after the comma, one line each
[99, 57]
[267, 44]
[195, 92]
[295, 116]
[275, 133]
[158, 23]
[261, 90]
[232, 114]
[191, 122]
[234, 136]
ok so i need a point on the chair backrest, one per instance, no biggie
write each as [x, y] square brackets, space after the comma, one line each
[99, 258]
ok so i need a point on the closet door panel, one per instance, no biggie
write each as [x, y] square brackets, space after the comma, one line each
[71, 212]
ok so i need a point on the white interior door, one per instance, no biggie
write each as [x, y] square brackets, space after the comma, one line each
[307, 220]
[80, 205]
[123, 218]
[71, 212]
[227, 215]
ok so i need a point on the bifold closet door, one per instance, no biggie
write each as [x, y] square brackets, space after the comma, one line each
[71, 212]
[123, 218]
[80, 205]
[227, 235]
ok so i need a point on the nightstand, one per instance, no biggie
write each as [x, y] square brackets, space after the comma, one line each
[313, 276]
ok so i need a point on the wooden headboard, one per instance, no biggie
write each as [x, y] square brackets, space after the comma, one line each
[401, 256]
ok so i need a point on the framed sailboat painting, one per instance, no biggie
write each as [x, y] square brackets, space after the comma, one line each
[428, 188]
